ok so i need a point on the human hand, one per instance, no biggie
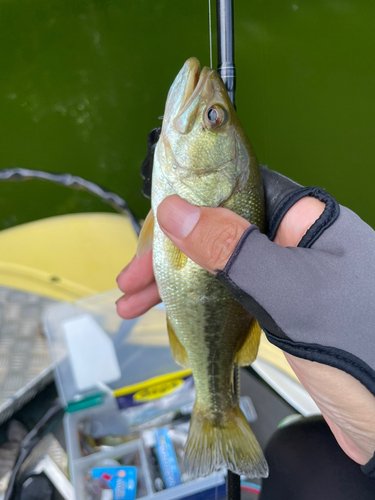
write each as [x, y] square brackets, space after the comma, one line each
[137, 280]
[347, 405]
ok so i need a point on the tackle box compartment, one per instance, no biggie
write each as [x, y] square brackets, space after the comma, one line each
[95, 353]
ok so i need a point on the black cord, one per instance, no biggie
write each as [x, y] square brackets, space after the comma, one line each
[42, 428]
[73, 182]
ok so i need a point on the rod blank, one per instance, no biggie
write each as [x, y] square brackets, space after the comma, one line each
[225, 46]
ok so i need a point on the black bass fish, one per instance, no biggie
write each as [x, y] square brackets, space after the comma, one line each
[204, 156]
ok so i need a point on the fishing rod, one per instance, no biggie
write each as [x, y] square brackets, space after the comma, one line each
[227, 71]
[225, 46]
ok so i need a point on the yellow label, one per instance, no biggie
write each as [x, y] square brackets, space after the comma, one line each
[158, 390]
[161, 379]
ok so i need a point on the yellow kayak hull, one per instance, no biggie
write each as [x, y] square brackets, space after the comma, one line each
[66, 257]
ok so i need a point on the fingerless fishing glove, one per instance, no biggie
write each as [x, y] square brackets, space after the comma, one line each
[315, 301]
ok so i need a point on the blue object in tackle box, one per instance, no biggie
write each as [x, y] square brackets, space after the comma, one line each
[167, 458]
[121, 480]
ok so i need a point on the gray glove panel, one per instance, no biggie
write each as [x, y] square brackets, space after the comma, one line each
[301, 297]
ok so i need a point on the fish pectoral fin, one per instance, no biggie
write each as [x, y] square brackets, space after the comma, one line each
[146, 235]
[178, 350]
[249, 349]
[176, 257]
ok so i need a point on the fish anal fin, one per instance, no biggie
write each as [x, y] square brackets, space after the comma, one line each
[178, 350]
[231, 444]
[249, 349]
[176, 257]
[146, 235]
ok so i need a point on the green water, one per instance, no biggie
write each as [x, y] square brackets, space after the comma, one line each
[83, 82]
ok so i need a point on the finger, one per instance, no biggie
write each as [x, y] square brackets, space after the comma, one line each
[297, 221]
[208, 236]
[131, 306]
[137, 275]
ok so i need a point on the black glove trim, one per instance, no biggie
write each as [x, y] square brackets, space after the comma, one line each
[332, 356]
[238, 248]
[369, 468]
[328, 217]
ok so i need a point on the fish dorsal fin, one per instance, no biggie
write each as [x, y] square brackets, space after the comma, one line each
[178, 350]
[249, 349]
[176, 257]
[146, 235]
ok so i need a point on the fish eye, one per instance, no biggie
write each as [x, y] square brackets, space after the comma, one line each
[212, 115]
[215, 116]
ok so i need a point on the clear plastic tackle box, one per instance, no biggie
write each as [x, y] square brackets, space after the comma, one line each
[97, 356]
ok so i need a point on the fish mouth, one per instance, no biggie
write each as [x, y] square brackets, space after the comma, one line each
[192, 70]
[195, 81]
[185, 88]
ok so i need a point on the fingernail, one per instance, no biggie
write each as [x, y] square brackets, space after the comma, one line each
[121, 272]
[178, 217]
[123, 298]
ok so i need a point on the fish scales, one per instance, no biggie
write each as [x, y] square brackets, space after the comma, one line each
[204, 156]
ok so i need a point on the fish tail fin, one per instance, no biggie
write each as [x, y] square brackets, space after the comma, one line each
[230, 444]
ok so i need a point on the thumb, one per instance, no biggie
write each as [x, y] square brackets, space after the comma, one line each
[207, 236]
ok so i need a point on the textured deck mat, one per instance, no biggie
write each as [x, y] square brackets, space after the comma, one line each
[25, 365]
